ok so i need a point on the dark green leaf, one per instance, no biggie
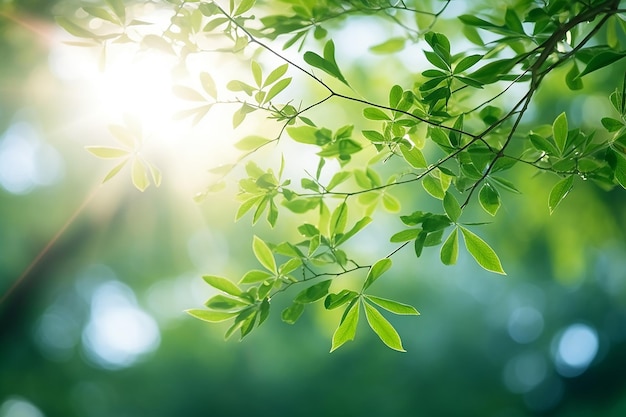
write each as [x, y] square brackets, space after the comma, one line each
[292, 313]
[466, 63]
[314, 292]
[601, 60]
[221, 302]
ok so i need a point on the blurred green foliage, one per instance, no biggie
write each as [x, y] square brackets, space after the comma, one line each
[485, 345]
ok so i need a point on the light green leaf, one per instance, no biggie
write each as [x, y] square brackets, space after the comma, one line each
[139, 175]
[347, 328]
[433, 187]
[255, 276]
[559, 131]
[277, 88]
[383, 328]
[113, 172]
[264, 254]
[482, 252]
[413, 156]
[372, 113]
[379, 268]
[391, 203]
[252, 142]
[221, 302]
[358, 226]
[489, 199]
[244, 6]
[303, 134]
[327, 63]
[313, 293]
[107, 151]
[118, 8]
[247, 205]
[211, 316]
[389, 46]
[451, 207]
[338, 219]
[450, 248]
[559, 191]
[101, 13]
[292, 313]
[393, 306]
[275, 75]
[222, 284]
[208, 84]
[337, 179]
[405, 235]
[257, 73]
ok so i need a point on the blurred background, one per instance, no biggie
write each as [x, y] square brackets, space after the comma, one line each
[94, 278]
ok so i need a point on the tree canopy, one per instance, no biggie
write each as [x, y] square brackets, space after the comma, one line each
[428, 145]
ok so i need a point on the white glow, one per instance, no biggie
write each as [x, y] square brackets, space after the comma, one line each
[576, 348]
[26, 161]
[118, 332]
[19, 407]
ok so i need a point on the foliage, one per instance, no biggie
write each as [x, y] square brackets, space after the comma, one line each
[457, 130]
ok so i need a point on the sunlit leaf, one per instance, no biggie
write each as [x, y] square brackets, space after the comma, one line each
[379, 268]
[450, 248]
[451, 206]
[264, 254]
[393, 306]
[244, 6]
[372, 113]
[389, 46]
[344, 296]
[489, 199]
[482, 252]
[559, 191]
[383, 328]
[116, 169]
[222, 284]
[347, 328]
[559, 131]
[107, 151]
[254, 276]
[276, 74]
[277, 88]
[413, 156]
[139, 175]
[208, 84]
[211, 316]
[251, 142]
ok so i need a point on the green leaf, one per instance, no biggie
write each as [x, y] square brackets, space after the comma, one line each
[247, 206]
[373, 136]
[450, 248]
[277, 88]
[292, 313]
[333, 301]
[326, 64]
[601, 60]
[413, 156]
[433, 187]
[303, 134]
[482, 252]
[118, 8]
[338, 219]
[391, 203]
[347, 327]
[264, 254]
[211, 316]
[107, 151]
[290, 266]
[620, 170]
[139, 175]
[389, 46]
[395, 95]
[276, 74]
[466, 63]
[611, 125]
[250, 143]
[489, 199]
[255, 276]
[314, 292]
[337, 179]
[221, 302]
[236, 85]
[379, 268]
[222, 284]
[257, 73]
[404, 235]
[113, 172]
[383, 328]
[358, 226]
[393, 306]
[559, 131]
[244, 6]
[572, 78]
[451, 207]
[559, 191]
[208, 84]
[373, 113]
